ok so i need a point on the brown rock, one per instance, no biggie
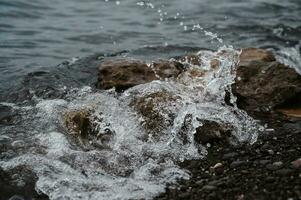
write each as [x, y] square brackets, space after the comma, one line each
[291, 112]
[78, 122]
[123, 74]
[262, 83]
[167, 69]
[211, 131]
[156, 110]
[254, 54]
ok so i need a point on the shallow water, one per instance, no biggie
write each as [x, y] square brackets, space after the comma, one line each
[37, 91]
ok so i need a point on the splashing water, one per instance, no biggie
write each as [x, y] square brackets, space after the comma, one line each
[138, 160]
[291, 56]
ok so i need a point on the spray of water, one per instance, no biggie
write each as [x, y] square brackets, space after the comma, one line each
[141, 153]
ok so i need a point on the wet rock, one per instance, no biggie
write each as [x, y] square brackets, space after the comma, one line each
[19, 183]
[167, 69]
[237, 163]
[263, 83]
[254, 54]
[80, 123]
[209, 188]
[124, 73]
[291, 112]
[296, 163]
[274, 166]
[211, 131]
[158, 111]
[7, 115]
[284, 172]
[218, 168]
[230, 155]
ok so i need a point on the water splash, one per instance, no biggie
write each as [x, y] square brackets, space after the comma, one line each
[141, 155]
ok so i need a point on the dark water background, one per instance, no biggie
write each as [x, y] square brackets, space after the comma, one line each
[37, 34]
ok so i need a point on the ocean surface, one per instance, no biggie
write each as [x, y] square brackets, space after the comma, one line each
[36, 34]
[47, 69]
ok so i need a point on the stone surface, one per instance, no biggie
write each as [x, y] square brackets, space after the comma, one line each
[296, 164]
[254, 54]
[123, 73]
[212, 131]
[263, 84]
[80, 124]
[167, 69]
[155, 109]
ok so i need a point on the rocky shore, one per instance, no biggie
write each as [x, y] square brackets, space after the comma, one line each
[266, 89]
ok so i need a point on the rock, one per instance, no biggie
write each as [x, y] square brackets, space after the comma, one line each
[263, 83]
[7, 115]
[211, 131]
[284, 172]
[218, 168]
[230, 155]
[123, 73]
[296, 163]
[237, 163]
[158, 111]
[80, 123]
[209, 187]
[167, 69]
[292, 112]
[254, 54]
[19, 183]
[274, 166]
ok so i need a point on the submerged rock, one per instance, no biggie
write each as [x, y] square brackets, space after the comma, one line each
[81, 124]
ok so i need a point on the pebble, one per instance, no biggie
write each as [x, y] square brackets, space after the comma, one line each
[274, 166]
[271, 152]
[284, 172]
[209, 187]
[264, 162]
[230, 155]
[237, 163]
[296, 164]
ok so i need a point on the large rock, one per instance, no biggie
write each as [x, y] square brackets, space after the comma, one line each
[123, 73]
[262, 83]
[211, 131]
[157, 110]
[81, 124]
